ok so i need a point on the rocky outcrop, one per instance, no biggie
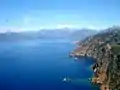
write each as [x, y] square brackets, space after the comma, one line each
[102, 47]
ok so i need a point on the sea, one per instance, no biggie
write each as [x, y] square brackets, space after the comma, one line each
[43, 65]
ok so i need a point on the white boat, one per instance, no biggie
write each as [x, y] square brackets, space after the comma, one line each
[66, 79]
[76, 58]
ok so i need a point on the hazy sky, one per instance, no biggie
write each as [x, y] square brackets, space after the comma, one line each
[36, 14]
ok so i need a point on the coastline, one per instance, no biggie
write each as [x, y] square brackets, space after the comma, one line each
[90, 67]
[104, 48]
[96, 79]
[99, 68]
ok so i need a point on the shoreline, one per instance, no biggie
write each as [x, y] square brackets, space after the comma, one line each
[90, 67]
[105, 49]
[98, 67]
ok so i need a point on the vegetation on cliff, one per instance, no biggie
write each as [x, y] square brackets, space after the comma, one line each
[105, 48]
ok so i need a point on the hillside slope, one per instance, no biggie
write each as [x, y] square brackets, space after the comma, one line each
[105, 49]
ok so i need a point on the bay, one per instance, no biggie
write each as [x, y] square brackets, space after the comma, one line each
[42, 65]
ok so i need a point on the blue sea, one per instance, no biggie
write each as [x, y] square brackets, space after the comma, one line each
[42, 65]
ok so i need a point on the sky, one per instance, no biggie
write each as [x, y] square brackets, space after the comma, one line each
[25, 15]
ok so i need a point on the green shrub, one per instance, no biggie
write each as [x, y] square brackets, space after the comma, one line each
[115, 49]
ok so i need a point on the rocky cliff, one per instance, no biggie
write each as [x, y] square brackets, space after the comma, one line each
[105, 49]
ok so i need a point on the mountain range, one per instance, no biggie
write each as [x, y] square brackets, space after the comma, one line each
[74, 34]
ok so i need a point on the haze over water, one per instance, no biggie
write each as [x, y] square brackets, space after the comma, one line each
[42, 65]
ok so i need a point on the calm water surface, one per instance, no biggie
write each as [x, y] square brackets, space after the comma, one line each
[42, 65]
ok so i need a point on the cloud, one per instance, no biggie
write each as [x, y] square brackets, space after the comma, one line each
[29, 23]
[66, 26]
[27, 20]
[10, 28]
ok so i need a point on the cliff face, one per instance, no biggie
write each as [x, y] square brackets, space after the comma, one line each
[105, 48]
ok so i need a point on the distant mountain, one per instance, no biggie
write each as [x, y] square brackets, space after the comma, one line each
[83, 33]
[76, 34]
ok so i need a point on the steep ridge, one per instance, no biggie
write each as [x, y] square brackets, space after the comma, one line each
[105, 49]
